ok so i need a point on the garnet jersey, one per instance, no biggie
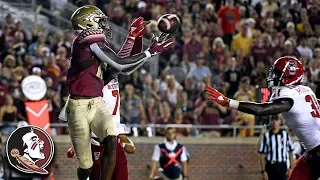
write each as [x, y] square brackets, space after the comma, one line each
[111, 97]
[84, 76]
[304, 116]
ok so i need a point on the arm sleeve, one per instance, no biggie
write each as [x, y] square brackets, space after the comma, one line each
[126, 48]
[136, 49]
[183, 156]
[131, 47]
[156, 153]
[105, 54]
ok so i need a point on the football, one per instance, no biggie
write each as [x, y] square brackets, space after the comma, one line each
[169, 23]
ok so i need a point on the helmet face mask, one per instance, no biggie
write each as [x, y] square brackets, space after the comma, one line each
[103, 24]
[274, 77]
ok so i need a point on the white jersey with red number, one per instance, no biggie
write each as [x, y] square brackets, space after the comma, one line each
[304, 116]
[111, 97]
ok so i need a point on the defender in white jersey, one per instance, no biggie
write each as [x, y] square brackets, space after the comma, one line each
[111, 96]
[298, 105]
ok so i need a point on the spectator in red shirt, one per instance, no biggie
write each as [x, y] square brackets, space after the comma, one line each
[229, 17]
[259, 52]
[218, 47]
[209, 114]
[193, 47]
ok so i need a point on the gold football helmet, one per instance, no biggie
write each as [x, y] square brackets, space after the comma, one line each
[90, 17]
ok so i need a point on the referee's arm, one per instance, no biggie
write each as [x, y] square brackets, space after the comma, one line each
[262, 151]
[290, 151]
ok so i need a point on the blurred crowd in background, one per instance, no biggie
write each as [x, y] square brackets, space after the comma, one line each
[226, 44]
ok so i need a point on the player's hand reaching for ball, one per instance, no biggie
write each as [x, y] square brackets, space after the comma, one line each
[216, 96]
[157, 47]
[137, 28]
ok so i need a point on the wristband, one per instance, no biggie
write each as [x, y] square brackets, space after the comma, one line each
[148, 54]
[262, 172]
[233, 103]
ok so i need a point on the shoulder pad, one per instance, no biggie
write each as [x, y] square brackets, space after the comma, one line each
[90, 36]
[284, 92]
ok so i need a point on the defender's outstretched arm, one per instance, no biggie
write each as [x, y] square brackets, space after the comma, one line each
[263, 109]
[258, 109]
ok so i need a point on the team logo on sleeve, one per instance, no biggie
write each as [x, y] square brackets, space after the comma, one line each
[96, 155]
[30, 149]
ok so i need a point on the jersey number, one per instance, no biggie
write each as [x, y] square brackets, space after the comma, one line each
[314, 105]
[265, 94]
[115, 93]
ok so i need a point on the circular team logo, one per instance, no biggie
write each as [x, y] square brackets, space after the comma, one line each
[30, 149]
[34, 87]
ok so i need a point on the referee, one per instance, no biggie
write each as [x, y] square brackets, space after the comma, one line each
[274, 148]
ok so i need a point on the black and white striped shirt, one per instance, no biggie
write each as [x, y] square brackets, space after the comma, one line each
[276, 146]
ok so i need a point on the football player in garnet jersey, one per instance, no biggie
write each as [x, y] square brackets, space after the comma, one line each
[298, 105]
[86, 110]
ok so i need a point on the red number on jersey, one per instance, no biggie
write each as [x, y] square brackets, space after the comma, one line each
[314, 105]
[265, 94]
[115, 93]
